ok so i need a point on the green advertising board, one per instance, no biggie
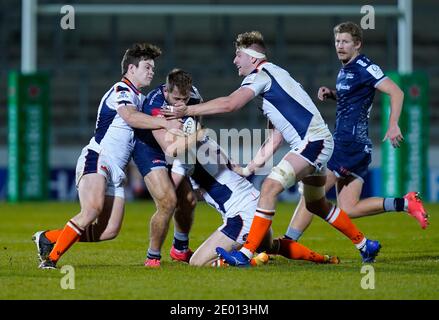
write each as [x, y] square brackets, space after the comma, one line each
[28, 137]
[406, 168]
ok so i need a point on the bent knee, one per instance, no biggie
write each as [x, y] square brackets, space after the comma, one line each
[195, 262]
[192, 200]
[167, 203]
[271, 188]
[319, 207]
[109, 234]
[198, 260]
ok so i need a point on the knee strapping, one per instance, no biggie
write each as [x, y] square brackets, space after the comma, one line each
[284, 173]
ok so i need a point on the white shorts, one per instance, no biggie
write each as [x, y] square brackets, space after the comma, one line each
[317, 152]
[237, 227]
[92, 162]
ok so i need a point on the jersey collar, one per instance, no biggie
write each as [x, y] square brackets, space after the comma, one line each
[130, 84]
[258, 67]
[354, 61]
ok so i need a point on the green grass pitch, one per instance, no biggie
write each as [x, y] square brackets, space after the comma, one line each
[406, 268]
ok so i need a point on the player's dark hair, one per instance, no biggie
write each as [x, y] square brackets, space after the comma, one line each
[180, 79]
[253, 39]
[350, 27]
[139, 52]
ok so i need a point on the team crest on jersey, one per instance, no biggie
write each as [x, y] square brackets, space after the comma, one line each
[122, 95]
[349, 75]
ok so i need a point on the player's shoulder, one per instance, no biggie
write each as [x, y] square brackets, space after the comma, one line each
[121, 88]
[368, 67]
[195, 96]
[155, 96]
[270, 71]
[259, 74]
[123, 92]
[126, 86]
[362, 61]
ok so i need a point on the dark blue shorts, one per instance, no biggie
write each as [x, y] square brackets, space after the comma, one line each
[148, 158]
[350, 159]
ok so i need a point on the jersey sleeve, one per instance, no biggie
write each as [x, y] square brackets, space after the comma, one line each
[123, 96]
[258, 82]
[372, 75]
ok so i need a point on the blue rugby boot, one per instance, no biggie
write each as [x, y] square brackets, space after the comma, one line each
[234, 258]
[370, 250]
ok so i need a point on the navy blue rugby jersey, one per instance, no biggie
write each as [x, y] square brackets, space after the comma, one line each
[154, 101]
[356, 83]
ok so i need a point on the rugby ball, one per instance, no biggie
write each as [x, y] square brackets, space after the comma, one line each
[189, 126]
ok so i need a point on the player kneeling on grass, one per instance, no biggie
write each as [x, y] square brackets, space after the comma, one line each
[235, 198]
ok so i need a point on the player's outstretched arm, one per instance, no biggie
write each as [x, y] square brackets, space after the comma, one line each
[140, 120]
[233, 102]
[396, 99]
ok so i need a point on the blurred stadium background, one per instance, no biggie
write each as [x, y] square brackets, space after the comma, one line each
[84, 62]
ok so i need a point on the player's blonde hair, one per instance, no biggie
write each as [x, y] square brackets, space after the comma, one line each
[252, 39]
[139, 52]
[180, 79]
[352, 28]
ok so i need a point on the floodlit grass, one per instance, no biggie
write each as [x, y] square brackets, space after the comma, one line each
[407, 267]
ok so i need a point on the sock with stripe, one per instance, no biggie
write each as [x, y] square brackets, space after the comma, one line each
[87, 236]
[395, 204]
[69, 235]
[341, 221]
[260, 226]
[293, 250]
[181, 241]
[153, 254]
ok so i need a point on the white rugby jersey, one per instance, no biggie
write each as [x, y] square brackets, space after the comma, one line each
[113, 136]
[286, 104]
[225, 190]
